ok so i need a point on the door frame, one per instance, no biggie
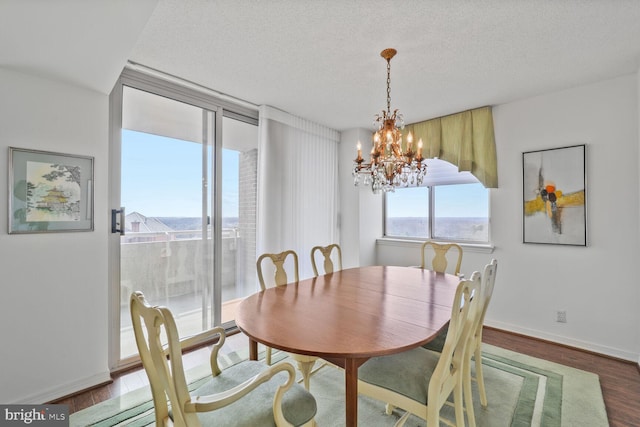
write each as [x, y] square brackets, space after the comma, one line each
[171, 87]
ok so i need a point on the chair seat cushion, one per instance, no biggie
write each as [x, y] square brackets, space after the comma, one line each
[402, 372]
[437, 344]
[255, 409]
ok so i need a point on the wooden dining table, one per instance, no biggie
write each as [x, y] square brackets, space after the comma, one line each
[350, 316]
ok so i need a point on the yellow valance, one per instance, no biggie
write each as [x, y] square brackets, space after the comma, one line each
[464, 139]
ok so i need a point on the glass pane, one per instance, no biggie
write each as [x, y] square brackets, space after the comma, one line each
[167, 251]
[407, 212]
[461, 212]
[239, 183]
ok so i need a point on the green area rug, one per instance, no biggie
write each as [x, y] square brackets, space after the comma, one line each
[522, 391]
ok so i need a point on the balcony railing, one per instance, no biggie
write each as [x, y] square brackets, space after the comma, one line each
[174, 263]
[175, 269]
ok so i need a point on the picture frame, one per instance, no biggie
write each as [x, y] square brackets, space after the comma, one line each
[554, 196]
[49, 192]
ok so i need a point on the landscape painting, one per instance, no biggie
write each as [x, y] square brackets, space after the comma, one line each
[554, 202]
[49, 192]
[53, 192]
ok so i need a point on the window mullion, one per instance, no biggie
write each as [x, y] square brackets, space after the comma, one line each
[431, 211]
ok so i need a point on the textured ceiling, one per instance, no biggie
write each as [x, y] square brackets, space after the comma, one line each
[86, 43]
[320, 59]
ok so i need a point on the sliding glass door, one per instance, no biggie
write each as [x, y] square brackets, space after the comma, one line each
[166, 250]
[184, 212]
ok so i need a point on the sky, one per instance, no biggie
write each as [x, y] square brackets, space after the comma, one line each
[162, 177]
[463, 200]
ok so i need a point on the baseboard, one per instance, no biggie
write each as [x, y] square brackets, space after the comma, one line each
[577, 344]
[59, 392]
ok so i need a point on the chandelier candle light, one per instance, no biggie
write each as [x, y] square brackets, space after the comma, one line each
[390, 166]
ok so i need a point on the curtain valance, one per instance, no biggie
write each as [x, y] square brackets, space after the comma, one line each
[464, 139]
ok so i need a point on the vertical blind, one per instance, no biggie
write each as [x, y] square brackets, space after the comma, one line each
[297, 185]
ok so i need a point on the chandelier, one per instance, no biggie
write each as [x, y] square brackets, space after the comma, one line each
[390, 166]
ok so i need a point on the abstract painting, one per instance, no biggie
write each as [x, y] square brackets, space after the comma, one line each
[554, 201]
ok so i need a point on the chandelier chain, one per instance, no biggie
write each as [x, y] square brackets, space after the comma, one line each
[389, 86]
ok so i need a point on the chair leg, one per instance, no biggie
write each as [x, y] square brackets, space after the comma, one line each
[468, 395]
[403, 419]
[458, 403]
[433, 414]
[388, 408]
[267, 356]
[305, 370]
[480, 377]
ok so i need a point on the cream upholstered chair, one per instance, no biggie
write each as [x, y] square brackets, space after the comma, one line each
[331, 255]
[440, 254]
[475, 347]
[247, 393]
[420, 381]
[280, 278]
[327, 253]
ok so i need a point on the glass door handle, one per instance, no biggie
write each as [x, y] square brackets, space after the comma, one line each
[117, 225]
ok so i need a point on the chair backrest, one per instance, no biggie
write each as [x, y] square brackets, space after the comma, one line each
[152, 326]
[486, 291]
[441, 252]
[452, 358]
[330, 253]
[279, 263]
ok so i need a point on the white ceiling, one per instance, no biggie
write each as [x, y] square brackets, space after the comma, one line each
[320, 59]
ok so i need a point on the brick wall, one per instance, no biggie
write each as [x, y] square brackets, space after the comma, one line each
[248, 183]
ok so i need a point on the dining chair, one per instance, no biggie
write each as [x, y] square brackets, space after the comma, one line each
[331, 254]
[420, 381]
[486, 291]
[474, 347]
[441, 253]
[279, 261]
[246, 393]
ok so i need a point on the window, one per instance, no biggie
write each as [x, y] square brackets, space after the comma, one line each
[407, 213]
[452, 206]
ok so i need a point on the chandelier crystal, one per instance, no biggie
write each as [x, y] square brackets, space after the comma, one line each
[390, 166]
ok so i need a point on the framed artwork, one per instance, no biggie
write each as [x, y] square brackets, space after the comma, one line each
[554, 201]
[49, 192]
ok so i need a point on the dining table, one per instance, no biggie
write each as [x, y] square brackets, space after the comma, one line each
[350, 316]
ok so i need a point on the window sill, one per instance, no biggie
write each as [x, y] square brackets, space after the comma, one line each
[407, 243]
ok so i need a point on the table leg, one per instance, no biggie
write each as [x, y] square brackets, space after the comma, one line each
[351, 391]
[253, 349]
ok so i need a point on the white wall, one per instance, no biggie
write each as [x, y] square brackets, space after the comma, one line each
[361, 211]
[596, 285]
[638, 160]
[53, 308]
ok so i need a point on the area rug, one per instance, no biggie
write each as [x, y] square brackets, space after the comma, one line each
[522, 391]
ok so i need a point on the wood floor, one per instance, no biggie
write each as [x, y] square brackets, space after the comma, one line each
[620, 380]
